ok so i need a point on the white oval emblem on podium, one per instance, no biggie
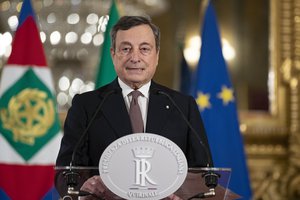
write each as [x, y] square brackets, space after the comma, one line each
[143, 166]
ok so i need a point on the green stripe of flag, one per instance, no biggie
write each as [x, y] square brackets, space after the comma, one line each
[106, 72]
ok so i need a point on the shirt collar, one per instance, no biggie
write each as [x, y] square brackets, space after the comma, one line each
[126, 89]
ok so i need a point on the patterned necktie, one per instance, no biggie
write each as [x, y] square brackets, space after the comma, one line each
[135, 113]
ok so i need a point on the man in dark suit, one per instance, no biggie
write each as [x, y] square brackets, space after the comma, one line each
[135, 53]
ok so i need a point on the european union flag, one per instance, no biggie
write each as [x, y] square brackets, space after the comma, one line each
[215, 98]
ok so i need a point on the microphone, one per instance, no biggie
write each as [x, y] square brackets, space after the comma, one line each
[72, 176]
[157, 91]
[211, 178]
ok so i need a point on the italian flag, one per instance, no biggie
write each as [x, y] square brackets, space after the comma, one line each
[29, 126]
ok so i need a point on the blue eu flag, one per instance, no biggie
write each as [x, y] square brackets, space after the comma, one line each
[215, 98]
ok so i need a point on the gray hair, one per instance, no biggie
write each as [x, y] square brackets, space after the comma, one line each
[127, 22]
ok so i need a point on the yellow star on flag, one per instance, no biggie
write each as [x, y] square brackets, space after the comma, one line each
[203, 101]
[226, 95]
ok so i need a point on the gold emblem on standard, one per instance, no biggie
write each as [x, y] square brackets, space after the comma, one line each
[29, 115]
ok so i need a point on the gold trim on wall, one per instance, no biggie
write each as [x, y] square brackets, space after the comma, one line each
[272, 139]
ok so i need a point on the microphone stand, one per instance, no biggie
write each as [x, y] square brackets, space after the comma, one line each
[211, 178]
[72, 177]
[211, 181]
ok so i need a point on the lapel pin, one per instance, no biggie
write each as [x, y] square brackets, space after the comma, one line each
[167, 106]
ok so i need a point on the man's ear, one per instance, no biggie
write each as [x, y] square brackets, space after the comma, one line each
[112, 51]
[157, 54]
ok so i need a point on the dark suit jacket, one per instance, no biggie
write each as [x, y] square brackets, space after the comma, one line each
[113, 122]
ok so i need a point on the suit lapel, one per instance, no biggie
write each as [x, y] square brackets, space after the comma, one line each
[115, 112]
[158, 111]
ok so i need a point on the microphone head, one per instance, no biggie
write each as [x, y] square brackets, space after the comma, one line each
[116, 90]
[155, 91]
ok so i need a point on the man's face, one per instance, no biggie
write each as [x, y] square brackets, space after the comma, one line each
[135, 57]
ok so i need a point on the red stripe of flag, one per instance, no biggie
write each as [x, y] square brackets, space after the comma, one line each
[26, 182]
[27, 47]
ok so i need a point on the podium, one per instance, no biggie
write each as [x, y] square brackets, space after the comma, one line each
[194, 183]
[145, 166]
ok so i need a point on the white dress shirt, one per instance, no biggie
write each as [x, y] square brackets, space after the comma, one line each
[143, 99]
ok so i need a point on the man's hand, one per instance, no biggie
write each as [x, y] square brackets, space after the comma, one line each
[172, 197]
[96, 187]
